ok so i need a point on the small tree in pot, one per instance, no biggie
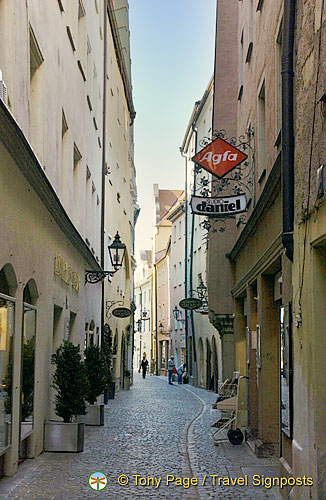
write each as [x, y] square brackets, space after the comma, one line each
[107, 349]
[96, 372]
[71, 383]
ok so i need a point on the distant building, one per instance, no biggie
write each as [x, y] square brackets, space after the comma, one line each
[143, 344]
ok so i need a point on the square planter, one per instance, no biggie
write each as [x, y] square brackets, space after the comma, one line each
[109, 393]
[94, 415]
[64, 437]
[126, 383]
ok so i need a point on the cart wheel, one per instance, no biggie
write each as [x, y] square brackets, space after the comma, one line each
[235, 436]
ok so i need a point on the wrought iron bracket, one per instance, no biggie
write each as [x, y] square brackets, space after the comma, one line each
[109, 304]
[93, 277]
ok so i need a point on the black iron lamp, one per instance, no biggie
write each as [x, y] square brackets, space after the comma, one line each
[176, 315]
[117, 252]
[161, 327]
[138, 325]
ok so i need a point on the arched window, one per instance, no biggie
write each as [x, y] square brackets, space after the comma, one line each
[30, 296]
[8, 287]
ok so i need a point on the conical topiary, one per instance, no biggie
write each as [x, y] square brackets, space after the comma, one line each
[70, 381]
[96, 372]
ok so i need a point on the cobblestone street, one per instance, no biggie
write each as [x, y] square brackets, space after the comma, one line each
[152, 430]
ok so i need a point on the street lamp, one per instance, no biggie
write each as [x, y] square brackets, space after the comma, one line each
[176, 315]
[161, 327]
[139, 325]
[117, 252]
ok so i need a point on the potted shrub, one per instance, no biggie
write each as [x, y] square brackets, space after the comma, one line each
[126, 379]
[107, 350]
[96, 372]
[71, 383]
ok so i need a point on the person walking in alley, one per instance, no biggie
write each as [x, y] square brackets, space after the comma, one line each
[171, 365]
[144, 366]
[180, 371]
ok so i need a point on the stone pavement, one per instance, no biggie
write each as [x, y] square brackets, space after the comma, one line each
[152, 430]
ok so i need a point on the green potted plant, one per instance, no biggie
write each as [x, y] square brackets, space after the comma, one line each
[96, 372]
[107, 349]
[126, 379]
[71, 384]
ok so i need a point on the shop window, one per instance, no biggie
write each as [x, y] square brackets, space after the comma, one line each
[30, 296]
[286, 371]
[7, 328]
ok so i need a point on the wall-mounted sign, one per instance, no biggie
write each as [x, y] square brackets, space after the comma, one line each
[62, 269]
[219, 157]
[121, 312]
[191, 303]
[218, 206]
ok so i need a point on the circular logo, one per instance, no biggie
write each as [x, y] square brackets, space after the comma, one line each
[98, 481]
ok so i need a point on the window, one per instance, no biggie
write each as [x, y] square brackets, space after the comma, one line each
[241, 57]
[278, 78]
[250, 30]
[76, 187]
[118, 104]
[82, 39]
[124, 193]
[261, 132]
[174, 233]
[175, 324]
[180, 229]
[180, 273]
[117, 179]
[175, 275]
[36, 95]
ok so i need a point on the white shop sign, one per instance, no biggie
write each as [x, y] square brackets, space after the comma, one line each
[219, 206]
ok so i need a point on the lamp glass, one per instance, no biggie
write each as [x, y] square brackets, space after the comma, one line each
[117, 252]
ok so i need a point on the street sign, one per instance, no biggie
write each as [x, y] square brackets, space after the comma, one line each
[218, 206]
[191, 303]
[121, 312]
[219, 157]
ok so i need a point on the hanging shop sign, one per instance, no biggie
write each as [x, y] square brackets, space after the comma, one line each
[191, 303]
[219, 157]
[222, 206]
[121, 312]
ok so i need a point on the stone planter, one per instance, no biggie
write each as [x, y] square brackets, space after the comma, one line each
[109, 393]
[94, 415]
[63, 437]
[126, 383]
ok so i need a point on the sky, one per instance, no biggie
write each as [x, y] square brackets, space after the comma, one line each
[172, 57]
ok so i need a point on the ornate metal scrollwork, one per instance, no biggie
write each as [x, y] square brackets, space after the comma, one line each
[238, 181]
[96, 276]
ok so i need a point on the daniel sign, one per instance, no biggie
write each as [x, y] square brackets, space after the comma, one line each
[218, 206]
[219, 157]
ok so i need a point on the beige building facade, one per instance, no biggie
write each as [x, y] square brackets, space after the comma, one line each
[52, 163]
[50, 201]
[143, 344]
[309, 278]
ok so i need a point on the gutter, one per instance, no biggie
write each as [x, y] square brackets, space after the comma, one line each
[287, 126]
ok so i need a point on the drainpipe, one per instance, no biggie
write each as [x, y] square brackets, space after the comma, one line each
[186, 254]
[194, 128]
[103, 164]
[287, 126]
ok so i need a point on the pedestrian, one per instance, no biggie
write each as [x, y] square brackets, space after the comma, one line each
[144, 366]
[171, 365]
[180, 371]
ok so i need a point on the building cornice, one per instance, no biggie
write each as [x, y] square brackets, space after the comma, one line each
[268, 195]
[14, 140]
[121, 59]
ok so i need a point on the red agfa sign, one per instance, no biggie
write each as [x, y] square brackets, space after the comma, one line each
[219, 157]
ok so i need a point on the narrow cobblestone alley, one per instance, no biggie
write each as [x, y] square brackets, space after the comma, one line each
[152, 430]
